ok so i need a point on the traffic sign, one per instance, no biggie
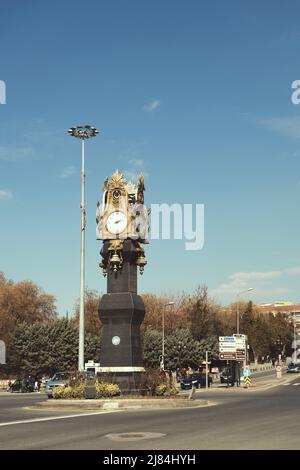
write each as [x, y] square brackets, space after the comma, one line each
[232, 348]
[241, 357]
[247, 382]
[227, 356]
[227, 349]
[232, 345]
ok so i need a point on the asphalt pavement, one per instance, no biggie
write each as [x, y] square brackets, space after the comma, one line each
[262, 419]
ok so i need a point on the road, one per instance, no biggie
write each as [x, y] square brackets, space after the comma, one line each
[267, 419]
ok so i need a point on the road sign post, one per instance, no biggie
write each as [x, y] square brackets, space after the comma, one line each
[247, 376]
[227, 374]
[278, 372]
[247, 382]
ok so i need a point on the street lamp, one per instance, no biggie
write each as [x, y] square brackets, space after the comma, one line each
[295, 321]
[83, 133]
[237, 367]
[237, 308]
[162, 364]
[206, 368]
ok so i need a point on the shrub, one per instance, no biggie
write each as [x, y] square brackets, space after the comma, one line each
[76, 379]
[160, 389]
[58, 392]
[154, 378]
[105, 390]
[69, 392]
[173, 391]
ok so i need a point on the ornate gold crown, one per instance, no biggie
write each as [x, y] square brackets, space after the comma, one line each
[116, 181]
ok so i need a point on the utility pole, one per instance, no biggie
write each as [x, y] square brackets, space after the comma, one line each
[83, 133]
[162, 364]
[206, 369]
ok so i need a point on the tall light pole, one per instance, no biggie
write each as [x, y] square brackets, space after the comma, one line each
[83, 133]
[237, 308]
[295, 337]
[206, 369]
[162, 364]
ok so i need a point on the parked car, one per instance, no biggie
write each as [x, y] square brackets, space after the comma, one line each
[293, 368]
[197, 380]
[22, 385]
[227, 377]
[59, 379]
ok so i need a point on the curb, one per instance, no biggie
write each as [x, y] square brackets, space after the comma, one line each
[113, 405]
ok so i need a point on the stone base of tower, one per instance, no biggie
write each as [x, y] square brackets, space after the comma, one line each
[130, 382]
[121, 359]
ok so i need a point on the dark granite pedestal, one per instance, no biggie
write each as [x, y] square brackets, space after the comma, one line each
[121, 312]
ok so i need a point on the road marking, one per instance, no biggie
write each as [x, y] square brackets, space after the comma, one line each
[296, 383]
[52, 418]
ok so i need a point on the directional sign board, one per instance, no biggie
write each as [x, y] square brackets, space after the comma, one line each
[227, 356]
[241, 354]
[232, 348]
[232, 356]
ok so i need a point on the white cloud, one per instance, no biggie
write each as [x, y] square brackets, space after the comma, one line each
[67, 172]
[244, 280]
[149, 108]
[294, 271]
[262, 283]
[131, 175]
[12, 153]
[243, 277]
[5, 194]
[286, 126]
[135, 169]
[137, 162]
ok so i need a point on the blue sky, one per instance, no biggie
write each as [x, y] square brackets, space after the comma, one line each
[195, 94]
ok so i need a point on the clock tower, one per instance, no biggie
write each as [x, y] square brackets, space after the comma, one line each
[122, 224]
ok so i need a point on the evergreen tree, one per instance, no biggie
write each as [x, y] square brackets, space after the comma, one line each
[182, 350]
[47, 348]
[203, 319]
[152, 348]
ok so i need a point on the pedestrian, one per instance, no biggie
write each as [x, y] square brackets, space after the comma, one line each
[36, 386]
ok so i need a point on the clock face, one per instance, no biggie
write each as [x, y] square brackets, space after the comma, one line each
[116, 340]
[116, 222]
